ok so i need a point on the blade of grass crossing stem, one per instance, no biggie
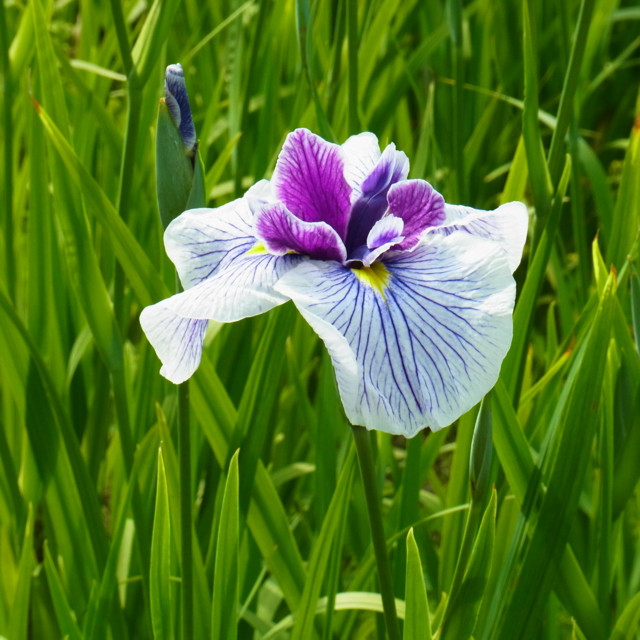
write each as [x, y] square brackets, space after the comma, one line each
[512, 366]
[462, 611]
[323, 545]
[64, 612]
[160, 569]
[540, 538]
[224, 610]
[19, 616]
[626, 215]
[417, 620]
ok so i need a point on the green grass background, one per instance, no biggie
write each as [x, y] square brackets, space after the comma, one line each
[492, 101]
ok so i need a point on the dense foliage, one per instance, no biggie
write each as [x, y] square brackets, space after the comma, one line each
[492, 102]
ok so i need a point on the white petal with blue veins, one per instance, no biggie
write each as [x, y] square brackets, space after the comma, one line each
[176, 340]
[506, 225]
[415, 342]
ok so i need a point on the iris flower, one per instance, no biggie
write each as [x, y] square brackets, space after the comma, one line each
[412, 297]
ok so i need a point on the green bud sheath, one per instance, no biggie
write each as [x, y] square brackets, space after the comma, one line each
[481, 452]
[179, 176]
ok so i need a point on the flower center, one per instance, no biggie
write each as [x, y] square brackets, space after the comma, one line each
[376, 276]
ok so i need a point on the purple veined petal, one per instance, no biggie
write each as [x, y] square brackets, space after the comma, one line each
[282, 232]
[392, 166]
[506, 225]
[417, 340]
[177, 100]
[202, 242]
[386, 233]
[419, 205]
[176, 340]
[388, 229]
[243, 289]
[309, 180]
[360, 154]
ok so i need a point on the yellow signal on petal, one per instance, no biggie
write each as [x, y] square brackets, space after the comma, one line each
[376, 276]
[257, 249]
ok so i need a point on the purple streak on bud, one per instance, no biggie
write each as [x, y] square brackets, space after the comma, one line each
[177, 100]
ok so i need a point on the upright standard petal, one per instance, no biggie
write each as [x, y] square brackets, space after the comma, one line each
[176, 340]
[416, 341]
[360, 154]
[419, 205]
[506, 225]
[309, 180]
[283, 232]
[392, 166]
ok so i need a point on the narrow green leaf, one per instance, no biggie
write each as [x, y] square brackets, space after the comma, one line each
[511, 371]
[548, 511]
[537, 164]
[147, 50]
[567, 97]
[159, 583]
[64, 612]
[82, 259]
[19, 617]
[140, 271]
[224, 609]
[462, 611]
[335, 518]
[417, 621]
[626, 627]
[626, 215]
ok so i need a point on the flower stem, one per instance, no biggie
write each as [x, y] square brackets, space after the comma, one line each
[184, 435]
[362, 441]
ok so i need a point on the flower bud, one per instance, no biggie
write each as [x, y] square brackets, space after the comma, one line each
[177, 100]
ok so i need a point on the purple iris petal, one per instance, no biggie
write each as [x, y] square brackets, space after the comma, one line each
[392, 167]
[176, 98]
[385, 233]
[283, 232]
[419, 205]
[387, 229]
[309, 180]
